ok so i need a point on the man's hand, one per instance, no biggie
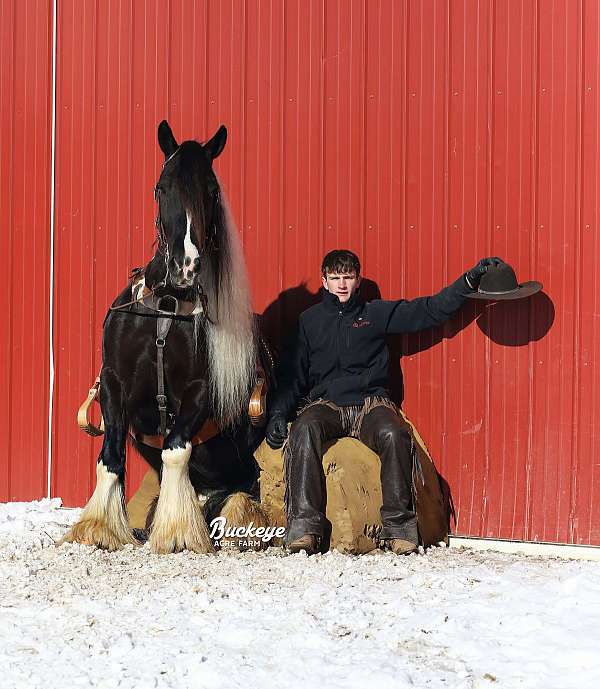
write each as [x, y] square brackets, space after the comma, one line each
[473, 276]
[277, 431]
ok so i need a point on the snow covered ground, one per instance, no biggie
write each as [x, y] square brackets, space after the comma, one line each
[78, 617]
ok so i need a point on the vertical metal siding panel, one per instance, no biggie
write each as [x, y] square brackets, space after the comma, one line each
[466, 230]
[75, 273]
[385, 102]
[226, 35]
[7, 78]
[505, 324]
[302, 150]
[556, 244]
[31, 258]
[392, 175]
[587, 526]
[516, 242]
[344, 124]
[263, 185]
[25, 154]
[426, 211]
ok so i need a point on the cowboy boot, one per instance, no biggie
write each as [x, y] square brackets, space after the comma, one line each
[309, 543]
[399, 546]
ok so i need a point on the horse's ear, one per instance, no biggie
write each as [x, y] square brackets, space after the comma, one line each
[215, 146]
[166, 140]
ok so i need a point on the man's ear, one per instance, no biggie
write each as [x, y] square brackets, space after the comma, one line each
[215, 146]
[324, 279]
[166, 140]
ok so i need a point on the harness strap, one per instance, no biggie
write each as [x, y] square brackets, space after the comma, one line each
[147, 298]
[163, 325]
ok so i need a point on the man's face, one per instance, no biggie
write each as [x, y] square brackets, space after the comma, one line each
[343, 285]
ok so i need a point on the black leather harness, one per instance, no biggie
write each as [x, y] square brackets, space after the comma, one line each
[165, 309]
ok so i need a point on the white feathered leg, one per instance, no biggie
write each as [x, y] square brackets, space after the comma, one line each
[178, 521]
[104, 521]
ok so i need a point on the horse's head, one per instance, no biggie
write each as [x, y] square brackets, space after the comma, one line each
[188, 195]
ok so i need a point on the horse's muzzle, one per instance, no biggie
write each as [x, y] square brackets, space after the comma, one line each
[183, 275]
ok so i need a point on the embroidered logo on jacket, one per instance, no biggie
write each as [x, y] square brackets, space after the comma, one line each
[360, 323]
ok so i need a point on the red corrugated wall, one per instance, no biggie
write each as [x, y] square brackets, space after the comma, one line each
[25, 182]
[422, 134]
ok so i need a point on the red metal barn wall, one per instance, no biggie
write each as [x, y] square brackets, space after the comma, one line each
[25, 183]
[421, 134]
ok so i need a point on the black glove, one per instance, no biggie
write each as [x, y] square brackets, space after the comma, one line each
[277, 431]
[473, 276]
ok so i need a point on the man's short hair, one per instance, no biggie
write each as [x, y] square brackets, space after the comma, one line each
[340, 261]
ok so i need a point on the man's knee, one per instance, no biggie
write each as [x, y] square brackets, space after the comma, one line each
[391, 434]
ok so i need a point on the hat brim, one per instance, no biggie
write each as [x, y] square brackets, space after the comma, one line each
[524, 290]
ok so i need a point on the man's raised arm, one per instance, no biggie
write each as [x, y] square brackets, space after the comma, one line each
[425, 312]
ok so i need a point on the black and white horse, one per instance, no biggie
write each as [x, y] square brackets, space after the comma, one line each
[196, 284]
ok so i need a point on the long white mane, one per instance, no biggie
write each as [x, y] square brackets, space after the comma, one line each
[231, 339]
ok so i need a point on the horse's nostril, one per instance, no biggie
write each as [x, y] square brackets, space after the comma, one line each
[196, 263]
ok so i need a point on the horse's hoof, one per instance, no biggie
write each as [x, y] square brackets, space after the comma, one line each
[164, 542]
[96, 532]
[140, 535]
[240, 510]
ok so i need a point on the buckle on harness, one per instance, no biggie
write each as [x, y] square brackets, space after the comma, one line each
[162, 402]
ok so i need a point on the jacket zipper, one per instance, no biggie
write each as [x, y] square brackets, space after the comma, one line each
[337, 341]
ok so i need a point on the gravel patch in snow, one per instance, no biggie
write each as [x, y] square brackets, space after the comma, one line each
[80, 617]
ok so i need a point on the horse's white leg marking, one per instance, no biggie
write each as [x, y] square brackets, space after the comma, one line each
[178, 521]
[189, 249]
[103, 521]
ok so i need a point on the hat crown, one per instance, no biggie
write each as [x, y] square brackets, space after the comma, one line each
[498, 279]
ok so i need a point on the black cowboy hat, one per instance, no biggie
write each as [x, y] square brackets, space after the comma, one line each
[499, 283]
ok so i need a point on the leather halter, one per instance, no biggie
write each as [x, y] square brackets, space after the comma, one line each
[148, 299]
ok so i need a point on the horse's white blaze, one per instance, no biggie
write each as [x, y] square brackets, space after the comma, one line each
[189, 249]
[178, 520]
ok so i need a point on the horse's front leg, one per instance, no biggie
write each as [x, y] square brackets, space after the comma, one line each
[178, 522]
[104, 521]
